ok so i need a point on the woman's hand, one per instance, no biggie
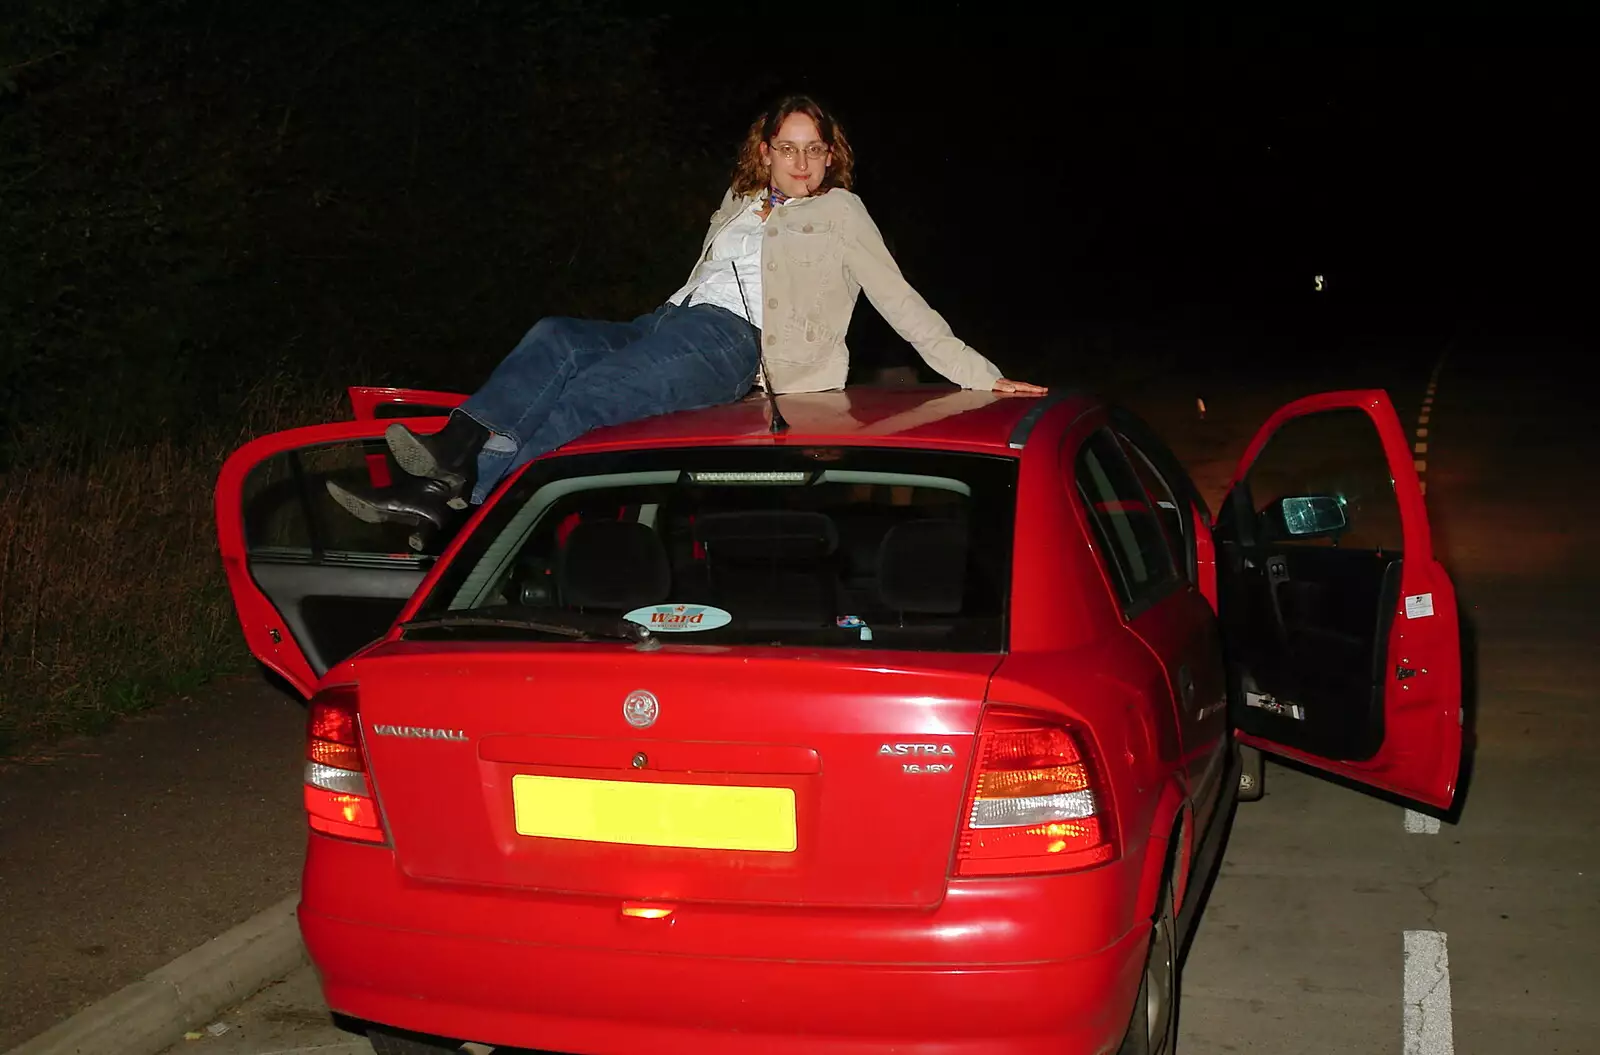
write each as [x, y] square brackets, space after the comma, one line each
[1021, 387]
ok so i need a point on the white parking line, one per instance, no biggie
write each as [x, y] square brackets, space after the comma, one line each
[1421, 823]
[1425, 1025]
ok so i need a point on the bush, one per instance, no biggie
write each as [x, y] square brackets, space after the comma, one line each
[111, 592]
[214, 216]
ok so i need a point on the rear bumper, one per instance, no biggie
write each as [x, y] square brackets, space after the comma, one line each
[398, 954]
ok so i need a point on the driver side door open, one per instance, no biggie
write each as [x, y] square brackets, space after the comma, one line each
[1342, 640]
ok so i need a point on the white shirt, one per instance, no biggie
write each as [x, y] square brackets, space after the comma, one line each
[713, 282]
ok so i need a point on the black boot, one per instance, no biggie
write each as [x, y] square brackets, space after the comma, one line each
[449, 455]
[422, 504]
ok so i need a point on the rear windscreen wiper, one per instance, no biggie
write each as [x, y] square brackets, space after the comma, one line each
[516, 617]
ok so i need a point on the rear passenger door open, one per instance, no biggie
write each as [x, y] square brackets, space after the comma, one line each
[311, 584]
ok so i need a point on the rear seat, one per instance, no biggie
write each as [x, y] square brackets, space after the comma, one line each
[922, 567]
[613, 566]
[775, 568]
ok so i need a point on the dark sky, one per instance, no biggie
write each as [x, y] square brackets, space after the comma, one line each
[1422, 183]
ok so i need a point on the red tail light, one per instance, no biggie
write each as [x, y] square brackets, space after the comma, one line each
[1036, 803]
[338, 795]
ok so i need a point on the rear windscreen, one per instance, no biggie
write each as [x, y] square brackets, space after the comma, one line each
[814, 547]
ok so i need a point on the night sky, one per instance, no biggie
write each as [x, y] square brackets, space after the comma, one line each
[1028, 184]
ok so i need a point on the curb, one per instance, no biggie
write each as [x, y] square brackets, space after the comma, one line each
[151, 1014]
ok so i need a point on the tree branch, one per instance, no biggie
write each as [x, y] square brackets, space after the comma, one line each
[32, 62]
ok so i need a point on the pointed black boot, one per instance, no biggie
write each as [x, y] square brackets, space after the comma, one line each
[420, 504]
[449, 455]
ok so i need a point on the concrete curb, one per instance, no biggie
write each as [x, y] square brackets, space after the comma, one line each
[153, 1013]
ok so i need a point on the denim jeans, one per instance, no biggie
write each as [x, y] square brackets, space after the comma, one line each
[568, 376]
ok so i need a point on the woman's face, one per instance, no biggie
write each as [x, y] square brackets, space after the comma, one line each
[796, 156]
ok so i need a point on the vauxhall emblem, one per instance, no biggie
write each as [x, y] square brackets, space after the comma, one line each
[641, 708]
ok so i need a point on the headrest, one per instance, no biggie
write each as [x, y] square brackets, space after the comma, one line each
[922, 567]
[767, 536]
[615, 564]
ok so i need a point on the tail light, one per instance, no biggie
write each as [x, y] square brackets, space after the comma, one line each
[338, 795]
[1037, 803]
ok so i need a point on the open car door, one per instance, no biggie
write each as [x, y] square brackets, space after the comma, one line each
[312, 584]
[1340, 628]
[370, 403]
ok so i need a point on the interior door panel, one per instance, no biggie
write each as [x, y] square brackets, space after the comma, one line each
[1306, 625]
[331, 610]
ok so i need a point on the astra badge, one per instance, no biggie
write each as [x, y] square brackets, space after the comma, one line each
[641, 708]
[916, 749]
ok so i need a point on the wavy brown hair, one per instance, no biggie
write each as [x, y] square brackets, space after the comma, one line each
[749, 176]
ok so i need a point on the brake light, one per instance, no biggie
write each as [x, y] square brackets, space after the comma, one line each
[338, 795]
[1036, 803]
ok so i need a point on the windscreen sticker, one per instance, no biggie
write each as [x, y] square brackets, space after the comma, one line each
[1419, 605]
[679, 618]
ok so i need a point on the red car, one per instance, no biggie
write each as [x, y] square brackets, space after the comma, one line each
[914, 728]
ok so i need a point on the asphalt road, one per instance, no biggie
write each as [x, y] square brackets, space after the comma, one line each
[1340, 923]
[1303, 947]
[122, 851]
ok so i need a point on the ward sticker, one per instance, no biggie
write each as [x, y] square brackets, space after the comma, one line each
[1419, 605]
[678, 618]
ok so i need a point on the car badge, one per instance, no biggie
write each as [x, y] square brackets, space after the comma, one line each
[641, 708]
[419, 732]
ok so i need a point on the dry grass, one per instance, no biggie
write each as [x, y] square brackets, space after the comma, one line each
[111, 592]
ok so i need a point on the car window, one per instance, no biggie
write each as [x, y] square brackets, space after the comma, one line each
[804, 547]
[1169, 514]
[1337, 454]
[1138, 557]
[289, 515]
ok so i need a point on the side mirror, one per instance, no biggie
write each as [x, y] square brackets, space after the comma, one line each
[1311, 516]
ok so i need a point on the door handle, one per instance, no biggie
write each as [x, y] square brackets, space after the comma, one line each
[1186, 685]
[1277, 575]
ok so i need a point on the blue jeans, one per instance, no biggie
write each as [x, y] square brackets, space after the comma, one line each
[568, 376]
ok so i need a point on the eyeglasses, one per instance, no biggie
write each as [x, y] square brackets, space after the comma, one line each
[812, 151]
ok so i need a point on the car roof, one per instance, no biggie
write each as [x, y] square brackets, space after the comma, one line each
[936, 416]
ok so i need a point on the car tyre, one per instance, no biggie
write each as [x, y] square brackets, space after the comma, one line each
[1251, 769]
[388, 1042]
[1153, 1027]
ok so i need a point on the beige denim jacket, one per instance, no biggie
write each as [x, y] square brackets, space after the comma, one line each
[817, 256]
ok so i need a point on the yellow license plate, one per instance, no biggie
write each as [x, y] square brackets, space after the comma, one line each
[696, 816]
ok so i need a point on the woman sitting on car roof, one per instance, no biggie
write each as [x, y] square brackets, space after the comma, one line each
[769, 302]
